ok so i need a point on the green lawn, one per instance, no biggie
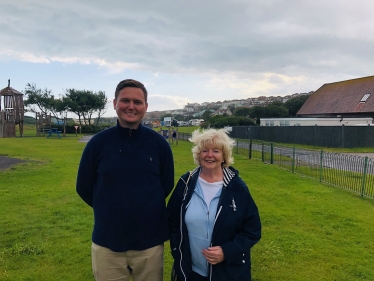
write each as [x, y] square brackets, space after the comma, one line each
[310, 231]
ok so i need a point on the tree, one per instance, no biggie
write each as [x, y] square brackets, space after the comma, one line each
[85, 103]
[206, 115]
[38, 100]
[178, 117]
[275, 111]
[60, 108]
[101, 102]
[242, 111]
[220, 121]
[43, 101]
[81, 102]
[74, 101]
[256, 113]
[276, 103]
[294, 105]
[231, 108]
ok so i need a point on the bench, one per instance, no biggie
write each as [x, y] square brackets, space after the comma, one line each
[54, 131]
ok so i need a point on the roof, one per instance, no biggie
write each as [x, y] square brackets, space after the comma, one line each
[341, 97]
[9, 91]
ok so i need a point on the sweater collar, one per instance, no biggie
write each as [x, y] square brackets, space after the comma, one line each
[129, 132]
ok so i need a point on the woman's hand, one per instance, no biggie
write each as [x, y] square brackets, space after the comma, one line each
[214, 255]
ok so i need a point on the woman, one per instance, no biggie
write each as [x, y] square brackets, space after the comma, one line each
[213, 219]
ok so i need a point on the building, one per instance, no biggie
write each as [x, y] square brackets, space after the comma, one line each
[316, 121]
[348, 99]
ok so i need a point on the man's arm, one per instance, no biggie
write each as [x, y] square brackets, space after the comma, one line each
[86, 175]
[167, 170]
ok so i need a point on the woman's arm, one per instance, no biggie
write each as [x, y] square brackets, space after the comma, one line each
[250, 231]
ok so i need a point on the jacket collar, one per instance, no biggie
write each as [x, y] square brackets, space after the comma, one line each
[228, 174]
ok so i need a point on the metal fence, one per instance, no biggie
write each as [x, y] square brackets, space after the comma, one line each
[324, 136]
[184, 136]
[353, 173]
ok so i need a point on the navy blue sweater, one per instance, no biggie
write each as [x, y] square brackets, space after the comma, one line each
[125, 176]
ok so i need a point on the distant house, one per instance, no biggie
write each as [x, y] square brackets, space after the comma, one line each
[351, 98]
[222, 111]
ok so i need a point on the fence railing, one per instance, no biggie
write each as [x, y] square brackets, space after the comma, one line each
[354, 173]
[323, 136]
[184, 136]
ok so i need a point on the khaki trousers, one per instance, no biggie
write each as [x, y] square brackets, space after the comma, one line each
[145, 265]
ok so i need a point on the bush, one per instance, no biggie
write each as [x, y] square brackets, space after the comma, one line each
[220, 121]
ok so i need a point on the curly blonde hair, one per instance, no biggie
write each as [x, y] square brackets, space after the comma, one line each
[212, 138]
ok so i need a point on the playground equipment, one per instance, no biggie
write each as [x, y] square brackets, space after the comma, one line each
[44, 124]
[11, 112]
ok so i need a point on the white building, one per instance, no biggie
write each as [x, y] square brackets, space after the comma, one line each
[316, 121]
[196, 122]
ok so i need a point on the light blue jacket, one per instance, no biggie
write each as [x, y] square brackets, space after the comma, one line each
[200, 220]
[236, 229]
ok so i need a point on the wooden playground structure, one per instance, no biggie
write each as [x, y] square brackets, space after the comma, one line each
[44, 124]
[11, 112]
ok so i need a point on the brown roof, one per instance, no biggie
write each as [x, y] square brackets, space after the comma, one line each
[341, 97]
[9, 91]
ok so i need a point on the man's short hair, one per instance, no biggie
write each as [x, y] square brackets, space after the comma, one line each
[130, 83]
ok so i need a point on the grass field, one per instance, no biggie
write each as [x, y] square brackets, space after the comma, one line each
[310, 231]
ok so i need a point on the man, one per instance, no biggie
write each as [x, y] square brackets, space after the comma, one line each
[174, 135]
[125, 174]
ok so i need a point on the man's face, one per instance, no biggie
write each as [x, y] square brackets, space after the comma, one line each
[130, 106]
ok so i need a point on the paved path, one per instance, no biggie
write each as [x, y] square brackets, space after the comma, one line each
[6, 162]
[370, 155]
[258, 148]
[342, 161]
[85, 138]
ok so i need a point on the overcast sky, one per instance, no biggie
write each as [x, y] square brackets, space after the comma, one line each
[185, 51]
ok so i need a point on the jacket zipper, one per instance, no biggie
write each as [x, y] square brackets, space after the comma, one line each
[218, 212]
[180, 243]
[181, 227]
[211, 243]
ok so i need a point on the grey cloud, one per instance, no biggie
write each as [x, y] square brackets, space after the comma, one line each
[247, 37]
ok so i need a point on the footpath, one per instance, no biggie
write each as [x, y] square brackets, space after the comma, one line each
[85, 138]
[370, 155]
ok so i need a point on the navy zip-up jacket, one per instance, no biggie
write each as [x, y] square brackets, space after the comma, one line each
[125, 176]
[236, 230]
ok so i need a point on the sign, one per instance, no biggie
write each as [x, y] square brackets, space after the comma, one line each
[76, 132]
[167, 121]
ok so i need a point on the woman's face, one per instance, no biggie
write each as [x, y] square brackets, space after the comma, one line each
[211, 158]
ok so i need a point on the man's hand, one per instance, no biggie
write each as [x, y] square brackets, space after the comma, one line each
[214, 255]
